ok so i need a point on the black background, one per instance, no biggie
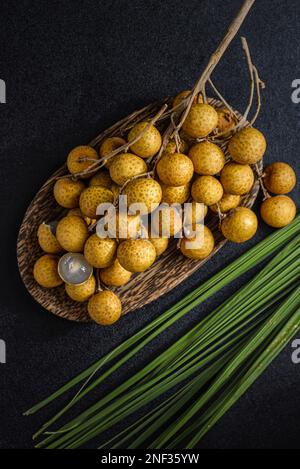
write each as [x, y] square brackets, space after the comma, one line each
[71, 69]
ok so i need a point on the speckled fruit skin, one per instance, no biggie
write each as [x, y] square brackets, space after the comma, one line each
[247, 146]
[226, 121]
[45, 271]
[201, 120]
[71, 233]
[194, 213]
[175, 169]
[47, 240]
[81, 292]
[183, 94]
[136, 255]
[67, 192]
[125, 166]
[109, 145]
[115, 275]
[149, 144]
[144, 191]
[166, 221]
[100, 252]
[207, 190]
[75, 165]
[123, 226]
[101, 178]
[237, 179]
[105, 308]
[278, 211]
[78, 213]
[172, 148]
[208, 159]
[160, 244]
[240, 225]
[203, 248]
[175, 194]
[227, 203]
[91, 197]
[280, 178]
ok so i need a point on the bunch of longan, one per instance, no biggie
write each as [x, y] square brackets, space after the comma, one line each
[192, 168]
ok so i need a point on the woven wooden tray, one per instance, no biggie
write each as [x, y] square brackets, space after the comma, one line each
[166, 273]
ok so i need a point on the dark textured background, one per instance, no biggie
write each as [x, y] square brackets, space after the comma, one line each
[72, 68]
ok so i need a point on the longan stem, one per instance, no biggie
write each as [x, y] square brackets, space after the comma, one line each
[216, 57]
[261, 182]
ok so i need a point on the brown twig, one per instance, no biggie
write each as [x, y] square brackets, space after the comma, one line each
[216, 57]
[260, 176]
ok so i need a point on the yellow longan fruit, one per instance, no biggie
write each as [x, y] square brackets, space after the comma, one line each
[237, 179]
[100, 252]
[226, 121]
[105, 308]
[240, 225]
[175, 194]
[101, 178]
[160, 244]
[172, 148]
[123, 225]
[81, 292]
[125, 166]
[47, 240]
[194, 213]
[92, 197]
[149, 144]
[208, 159]
[280, 178]
[175, 169]
[184, 94]
[136, 255]
[247, 146]
[166, 221]
[201, 120]
[115, 275]
[67, 192]
[207, 190]
[200, 246]
[76, 159]
[278, 211]
[45, 271]
[227, 203]
[145, 191]
[109, 145]
[71, 233]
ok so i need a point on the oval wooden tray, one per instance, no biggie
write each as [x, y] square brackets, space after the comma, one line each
[166, 273]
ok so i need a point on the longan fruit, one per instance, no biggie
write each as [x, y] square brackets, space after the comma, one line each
[166, 221]
[109, 145]
[226, 121]
[208, 159]
[101, 178]
[247, 146]
[227, 203]
[77, 164]
[136, 255]
[105, 308]
[47, 240]
[115, 275]
[194, 213]
[160, 244]
[92, 197]
[100, 252]
[175, 194]
[144, 191]
[45, 271]
[279, 178]
[200, 246]
[67, 192]
[149, 144]
[200, 121]
[71, 233]
[175, 169]
[125, 166]
[278, 211]
[237, 179]
[83, 291]
[207, 190]
[240, 225]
